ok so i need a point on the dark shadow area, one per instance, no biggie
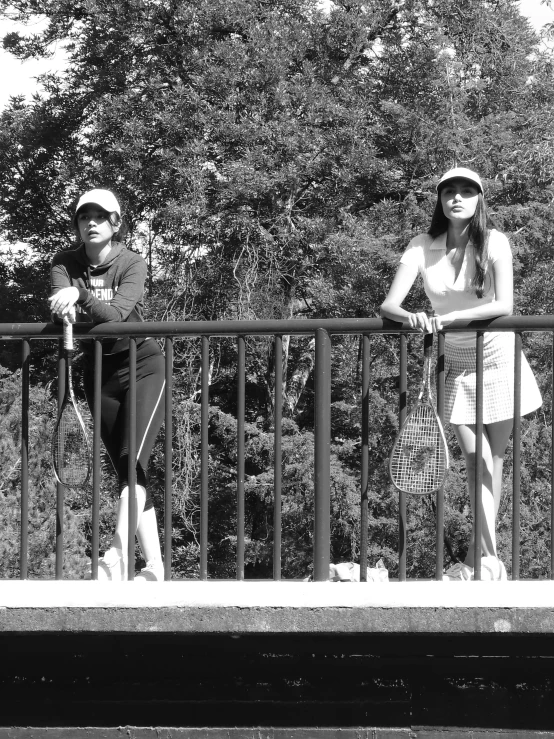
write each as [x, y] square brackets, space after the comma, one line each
[63, 680]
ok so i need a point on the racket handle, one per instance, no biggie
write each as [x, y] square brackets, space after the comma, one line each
[67, 335]
[428, 345]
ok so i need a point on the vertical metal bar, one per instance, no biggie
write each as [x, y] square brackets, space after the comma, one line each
[402, 412]
[241, 375]
[552, 465]
[24, 543]
[204, 457]
[278, 457]
[322, 455]
[366, 347]
[132, 463]
[62, 369]
[516, 528]
[477, 522]
[97, 416]
[168, 457]
[440, 493]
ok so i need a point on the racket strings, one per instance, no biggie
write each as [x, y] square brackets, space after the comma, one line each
[70, 449]
[419, 459]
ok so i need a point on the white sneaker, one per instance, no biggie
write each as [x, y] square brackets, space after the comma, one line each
[112, 566]
[153, 572]
[458, 572]
[492, 569]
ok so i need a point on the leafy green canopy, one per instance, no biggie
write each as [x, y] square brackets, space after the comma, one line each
[273, 160]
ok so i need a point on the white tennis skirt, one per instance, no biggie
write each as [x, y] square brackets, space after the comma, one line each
[498, 381]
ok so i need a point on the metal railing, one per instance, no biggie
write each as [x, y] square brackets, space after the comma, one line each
[322, 330]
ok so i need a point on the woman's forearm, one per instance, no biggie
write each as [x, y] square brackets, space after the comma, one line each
[394, 312]
[495, 309]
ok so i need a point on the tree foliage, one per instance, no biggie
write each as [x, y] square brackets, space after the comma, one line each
[273, 161]
[41, 524]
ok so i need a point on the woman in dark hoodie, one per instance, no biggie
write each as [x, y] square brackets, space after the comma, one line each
[102, 281]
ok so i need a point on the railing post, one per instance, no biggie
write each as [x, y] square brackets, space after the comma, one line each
[24, 544]
[96, 415]
[516, 528]
[241, 375]
[59, 487]
[552, 469]
[278, 457]
[440, 493]
[168, 458]
[204, 456]
[478, 524]
[402, 412]
[132, 463]
[366, 345]
[322, 455]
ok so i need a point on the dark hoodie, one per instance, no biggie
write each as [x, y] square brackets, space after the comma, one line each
[113, 291]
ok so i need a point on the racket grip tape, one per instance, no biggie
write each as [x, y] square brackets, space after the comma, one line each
[67, 335]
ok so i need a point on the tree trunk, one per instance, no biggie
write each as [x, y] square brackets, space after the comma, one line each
[299, 379]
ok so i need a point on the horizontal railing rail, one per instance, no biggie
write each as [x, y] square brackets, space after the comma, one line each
[322, 330]
[293, 327]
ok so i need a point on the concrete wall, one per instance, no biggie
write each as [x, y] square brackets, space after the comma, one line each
[255, 660]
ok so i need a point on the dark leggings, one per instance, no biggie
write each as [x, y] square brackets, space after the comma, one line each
[114, 427]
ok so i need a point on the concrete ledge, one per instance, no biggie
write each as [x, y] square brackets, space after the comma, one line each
[523, 607]
[269, 594]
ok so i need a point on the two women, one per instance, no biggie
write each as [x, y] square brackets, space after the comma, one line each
[466, 267]
[103, 281]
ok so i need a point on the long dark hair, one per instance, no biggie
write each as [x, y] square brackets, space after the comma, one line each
[478, 231]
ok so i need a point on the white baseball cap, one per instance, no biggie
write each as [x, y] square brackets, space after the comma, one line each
[461, 173]
[104, 198]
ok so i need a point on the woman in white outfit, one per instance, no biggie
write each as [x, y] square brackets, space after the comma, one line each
[466, 266]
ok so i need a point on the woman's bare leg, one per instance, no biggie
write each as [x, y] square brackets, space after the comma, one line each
[498, 435]
[149, 539]
[121, 535]
[495, 440]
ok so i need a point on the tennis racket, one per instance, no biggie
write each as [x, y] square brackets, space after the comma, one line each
[70, 445]
[419, 458]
